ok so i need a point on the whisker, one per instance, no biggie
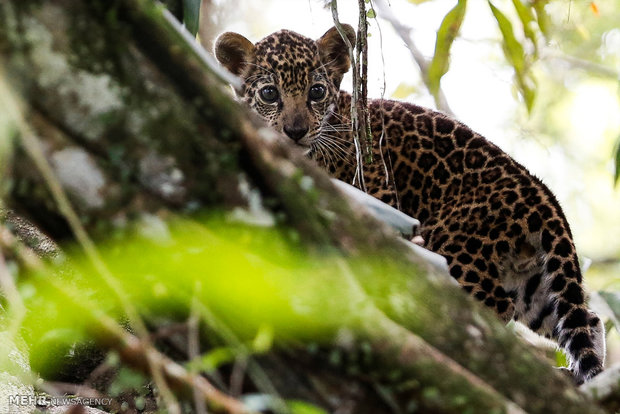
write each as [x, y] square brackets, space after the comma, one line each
[337, 128]
[334, 144]
[342, 141]
[335, 149]
[324, 154]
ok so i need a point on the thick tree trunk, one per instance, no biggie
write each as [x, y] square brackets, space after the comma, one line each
[133, 121]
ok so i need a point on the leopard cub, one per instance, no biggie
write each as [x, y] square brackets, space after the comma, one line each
[501, 230]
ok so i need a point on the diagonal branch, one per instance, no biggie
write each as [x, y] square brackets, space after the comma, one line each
[404, 32]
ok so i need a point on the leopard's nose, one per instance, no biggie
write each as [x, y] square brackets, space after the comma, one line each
[296, 133]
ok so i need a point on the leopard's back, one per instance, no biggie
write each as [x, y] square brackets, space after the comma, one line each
[501, 230]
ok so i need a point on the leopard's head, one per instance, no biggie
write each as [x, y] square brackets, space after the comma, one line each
[289, 80]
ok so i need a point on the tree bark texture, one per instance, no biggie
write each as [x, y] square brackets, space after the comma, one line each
[133, 121]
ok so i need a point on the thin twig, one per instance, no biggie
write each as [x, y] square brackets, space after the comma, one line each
[143, 356]
[361, 64]
[169, 330]
[404, 32]
[193, 351]
[104, 368]
[359, 170]
[387, 165]
[238, 374]
[259, 377]
[591, 67]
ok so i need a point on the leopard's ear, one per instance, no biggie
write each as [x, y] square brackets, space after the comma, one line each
[334, 51]
[234, 52]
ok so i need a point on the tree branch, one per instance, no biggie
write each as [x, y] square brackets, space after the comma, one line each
[404, 32]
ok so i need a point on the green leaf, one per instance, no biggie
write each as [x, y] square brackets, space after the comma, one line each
[527, 20]
[371, 14]
[191, 15]
[403, 90]
[617, 164]
[214, 359]
[560, 359]
[513, 50]
[448, 30]
[300, 407]
[263, 341]
[541, 15]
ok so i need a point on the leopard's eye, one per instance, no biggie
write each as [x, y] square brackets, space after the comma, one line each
[269, 94]
[317, 92]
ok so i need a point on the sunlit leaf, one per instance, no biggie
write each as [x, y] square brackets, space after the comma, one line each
[214, 359]
[263, 340]
[448, 30]
[265, 402]
[371, 14]
[513, 50]
[300, 407]
[542, 18]
[617, 164]
[583, 31]
[261, 286]
[528, 21]
[403, 90]
[191, 15]
[560, 359]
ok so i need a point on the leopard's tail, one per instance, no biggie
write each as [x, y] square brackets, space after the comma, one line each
[581, 334]
[577, 329]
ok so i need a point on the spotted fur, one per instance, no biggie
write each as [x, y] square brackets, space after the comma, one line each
[503, 233]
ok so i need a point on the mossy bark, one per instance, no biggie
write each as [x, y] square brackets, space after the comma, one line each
[132, 121]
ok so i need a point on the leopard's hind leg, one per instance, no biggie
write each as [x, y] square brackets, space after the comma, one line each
[540, 284]
[550, 299]
[470, 262]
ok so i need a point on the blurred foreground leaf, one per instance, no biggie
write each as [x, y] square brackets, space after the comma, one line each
[257, 283]
[403, 90]
[300, 407]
